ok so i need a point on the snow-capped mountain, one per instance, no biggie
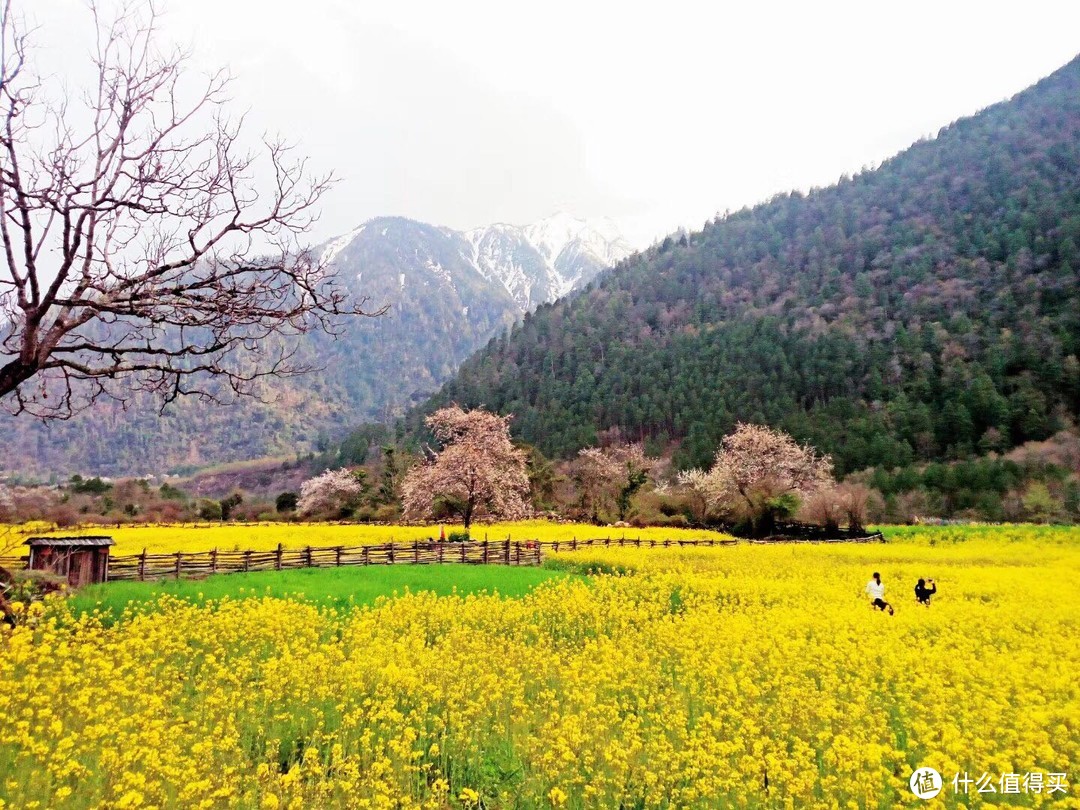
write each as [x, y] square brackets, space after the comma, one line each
[534, 263]
[541, 262]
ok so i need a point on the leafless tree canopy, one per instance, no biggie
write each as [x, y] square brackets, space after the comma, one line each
[143, 247]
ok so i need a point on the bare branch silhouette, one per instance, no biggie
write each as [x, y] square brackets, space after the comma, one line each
[146, 250]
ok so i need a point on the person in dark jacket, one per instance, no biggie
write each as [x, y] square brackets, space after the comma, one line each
[924, 589]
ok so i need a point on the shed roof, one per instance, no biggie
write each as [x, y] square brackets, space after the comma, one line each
[67, 542]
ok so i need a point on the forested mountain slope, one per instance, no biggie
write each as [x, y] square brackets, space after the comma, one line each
[928, 309]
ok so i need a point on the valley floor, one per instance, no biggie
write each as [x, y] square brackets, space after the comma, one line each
[744, 676]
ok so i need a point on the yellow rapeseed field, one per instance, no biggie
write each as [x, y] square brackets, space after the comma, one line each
[748, 676]
[168, 538]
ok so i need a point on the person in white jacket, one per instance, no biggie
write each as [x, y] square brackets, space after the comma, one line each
[876, 590]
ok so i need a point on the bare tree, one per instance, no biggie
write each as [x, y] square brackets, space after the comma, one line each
[760, 474]
[478, 470]
[831, 506]
[144, 248]
[609, 477]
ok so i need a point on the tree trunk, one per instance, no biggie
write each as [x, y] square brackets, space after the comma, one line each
[13, 375]
[8, 613]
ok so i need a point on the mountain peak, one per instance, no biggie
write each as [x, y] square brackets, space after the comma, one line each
[535, 263]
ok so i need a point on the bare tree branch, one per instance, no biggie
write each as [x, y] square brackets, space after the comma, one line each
[146, 251]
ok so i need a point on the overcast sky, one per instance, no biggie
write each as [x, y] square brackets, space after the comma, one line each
[657, 115]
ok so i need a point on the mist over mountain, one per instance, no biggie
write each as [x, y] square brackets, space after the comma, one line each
[926, 310]
[448, 292]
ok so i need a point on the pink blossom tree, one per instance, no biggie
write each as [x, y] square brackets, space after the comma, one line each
[478, 471]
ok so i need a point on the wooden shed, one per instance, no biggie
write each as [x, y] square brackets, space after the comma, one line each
[83, 560]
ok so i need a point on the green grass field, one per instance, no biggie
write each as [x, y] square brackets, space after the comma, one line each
[326, 586]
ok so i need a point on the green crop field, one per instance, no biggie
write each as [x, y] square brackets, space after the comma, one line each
[336, 587]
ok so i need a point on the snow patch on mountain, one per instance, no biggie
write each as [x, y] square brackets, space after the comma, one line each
[571, 252]
[535, 263]
[335, 246]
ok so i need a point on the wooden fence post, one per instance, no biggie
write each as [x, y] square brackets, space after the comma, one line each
[485, 552]
[506, 553]
[213, 561]
[439, 551]
[178, 554]
[142, 565]
[364, 556]
[416, 552]
[517, 553]
[338, 555]
[277, 558]
[463, 545]
[390, 556]
[307, 557]
[247, 561]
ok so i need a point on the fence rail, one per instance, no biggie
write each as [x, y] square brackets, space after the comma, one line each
[180, 564]
[160, 566]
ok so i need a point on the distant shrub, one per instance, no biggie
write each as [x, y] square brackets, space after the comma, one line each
[387, 513]
[171, 493]
[209, 510]
[286, 502]
[229, 504]
[673, 521]
[90, 486]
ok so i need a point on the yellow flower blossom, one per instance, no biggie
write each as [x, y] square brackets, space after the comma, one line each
[685, 680]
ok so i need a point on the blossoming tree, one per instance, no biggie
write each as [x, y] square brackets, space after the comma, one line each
[761, 474]
[478, 470]
[330, 492]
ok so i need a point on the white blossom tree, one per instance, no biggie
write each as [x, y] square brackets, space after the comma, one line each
[761, 474]
[478, 471]
[696, 484]
[330, 492]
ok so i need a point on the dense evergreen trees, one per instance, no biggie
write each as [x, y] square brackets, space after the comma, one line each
[924, 311]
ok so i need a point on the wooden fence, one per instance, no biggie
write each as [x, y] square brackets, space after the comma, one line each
[181, 564]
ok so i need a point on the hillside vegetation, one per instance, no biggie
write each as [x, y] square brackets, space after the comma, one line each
[926, 310]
